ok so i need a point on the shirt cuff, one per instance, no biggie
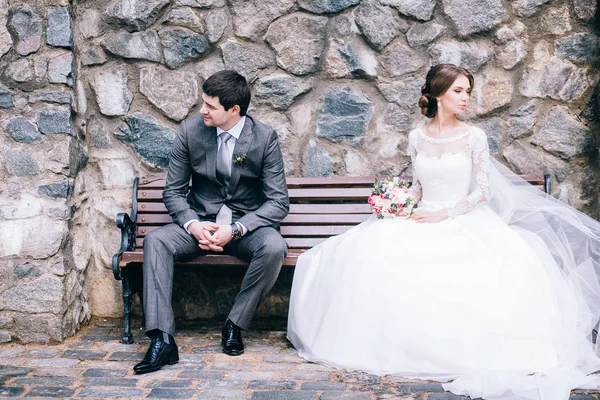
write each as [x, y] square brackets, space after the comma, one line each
[242, 228]
[185, 226]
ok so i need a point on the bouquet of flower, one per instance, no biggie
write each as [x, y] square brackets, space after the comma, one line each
[390, 198]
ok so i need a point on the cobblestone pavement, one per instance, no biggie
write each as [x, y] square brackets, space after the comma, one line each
[94, 364]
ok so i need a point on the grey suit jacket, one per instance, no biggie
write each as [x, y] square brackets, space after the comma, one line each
[257, 192]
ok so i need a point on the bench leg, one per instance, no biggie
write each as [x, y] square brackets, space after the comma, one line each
[127, 336]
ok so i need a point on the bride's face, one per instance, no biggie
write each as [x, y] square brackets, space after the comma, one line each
[456, 98]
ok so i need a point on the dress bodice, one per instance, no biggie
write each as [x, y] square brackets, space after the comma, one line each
[450, 173]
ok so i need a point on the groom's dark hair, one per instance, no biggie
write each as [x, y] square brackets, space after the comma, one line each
[231, 88]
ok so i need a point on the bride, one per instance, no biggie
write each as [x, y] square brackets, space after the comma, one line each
[490, 285]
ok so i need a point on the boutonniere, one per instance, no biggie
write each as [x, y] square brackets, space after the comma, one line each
[239, 158]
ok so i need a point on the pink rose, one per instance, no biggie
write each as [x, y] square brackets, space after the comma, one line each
[371, 200]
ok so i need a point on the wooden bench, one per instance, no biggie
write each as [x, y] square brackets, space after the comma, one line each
[319, 208]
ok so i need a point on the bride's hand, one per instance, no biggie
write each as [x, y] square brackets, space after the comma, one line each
[428, 216]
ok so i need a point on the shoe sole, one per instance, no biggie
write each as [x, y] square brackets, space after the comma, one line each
[145, 371]
[233, 352]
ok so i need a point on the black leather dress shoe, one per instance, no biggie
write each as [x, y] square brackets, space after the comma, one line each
[232, 339]
[158, 355]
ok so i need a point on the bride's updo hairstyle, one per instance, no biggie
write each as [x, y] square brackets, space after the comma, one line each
[439, 79]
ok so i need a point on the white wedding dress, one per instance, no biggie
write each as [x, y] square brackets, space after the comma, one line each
[471, 299]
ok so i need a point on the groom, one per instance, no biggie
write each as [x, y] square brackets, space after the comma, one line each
[237, 198]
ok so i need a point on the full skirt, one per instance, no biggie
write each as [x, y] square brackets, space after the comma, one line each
[468, 300]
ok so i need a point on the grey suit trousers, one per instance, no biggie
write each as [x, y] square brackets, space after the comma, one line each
[263, 248]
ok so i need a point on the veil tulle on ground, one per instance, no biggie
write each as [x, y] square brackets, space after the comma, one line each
[570, 237]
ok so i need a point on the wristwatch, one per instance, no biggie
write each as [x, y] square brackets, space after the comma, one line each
[235, 232]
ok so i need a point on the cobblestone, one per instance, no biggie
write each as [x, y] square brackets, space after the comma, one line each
[269, 370]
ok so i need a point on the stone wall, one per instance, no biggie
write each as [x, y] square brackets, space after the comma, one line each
[92, 92]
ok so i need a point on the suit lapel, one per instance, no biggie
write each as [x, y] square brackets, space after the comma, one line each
[241, 147]
[210, 141]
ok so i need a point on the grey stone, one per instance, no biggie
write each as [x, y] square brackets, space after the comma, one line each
[246, 58]
[271, 384]
[201, 3]
[317, 161]
[230, 394]
[469, 55]
[149, 139]
[6, 42]
[20, 162]
[187, 17]
[527, 8]
[27, 270]
[555, 78]
[100, 137]
[485, 15]
[60, 68]
[334, 395]
[6, 99]
[580, 48]
[173, 92]
[54, 121]
[176, 383]
[280, 90]
[379, 24]
[298, 40]
[251, 18]
[105, 373]
[444, 396]
[22, 130]
[39, 296]
[92, 56]
[45, 381]
[5, 337]
[556, 20]
[7, 322]
[560, 133]
[135, 15]
[138, 45]
[523, 119]
[84, 355]
[496, 132]
[492, 90]
[216, 22]
[57, 190]
[182, 45]
[419, 9]
[11, 391]
[396, 65]
[51, 96]
[90, 24]
[104, 393]
[111, 91]
[26, 29]
[284, 395]
[421, 34]
[323, 386]
[78, 157]
[162, 393]
[398, 118]
[513, 44]
[420, 387]
[210, 65]
[405, 92]
[350, 58]
[326, 6]
[585, 9]
[344, 115]
[58, 31]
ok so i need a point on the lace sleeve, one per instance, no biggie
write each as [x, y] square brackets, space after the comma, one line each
[415, 190]
[480, 155]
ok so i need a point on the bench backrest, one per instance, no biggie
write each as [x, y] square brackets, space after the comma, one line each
[319, 207]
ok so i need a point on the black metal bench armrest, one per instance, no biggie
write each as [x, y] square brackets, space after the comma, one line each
[128, 229]
[128, 232]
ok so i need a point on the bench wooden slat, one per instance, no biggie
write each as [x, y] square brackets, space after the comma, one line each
[338, 194]
[210, 259]
[291, 219]
[293, 243]
[292, 182]
[356, 208]
[286, 230]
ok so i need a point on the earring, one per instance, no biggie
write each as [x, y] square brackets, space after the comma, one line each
[439, 103]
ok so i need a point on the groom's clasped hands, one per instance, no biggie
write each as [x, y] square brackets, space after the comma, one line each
[210, 236]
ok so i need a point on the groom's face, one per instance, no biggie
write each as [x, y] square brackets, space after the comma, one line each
[214, 113]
